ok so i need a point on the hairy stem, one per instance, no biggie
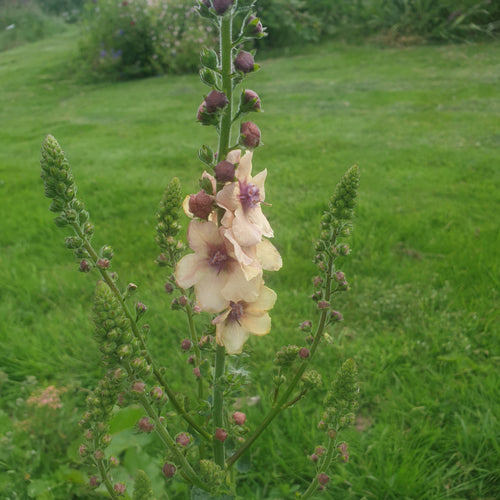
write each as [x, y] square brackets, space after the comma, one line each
[283, 401]
[218, 399]
[156, 371]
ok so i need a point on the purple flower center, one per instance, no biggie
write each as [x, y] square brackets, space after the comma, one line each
[218, 259]
[236, 311]
[249, 195]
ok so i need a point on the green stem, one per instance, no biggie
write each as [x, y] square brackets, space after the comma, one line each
[105, 479]
[218, 399]
[325, 463]
[195, 340]
[226, 49]
[283, 400]
[156, 371]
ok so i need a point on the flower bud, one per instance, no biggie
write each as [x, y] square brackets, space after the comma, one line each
[220, 6]
[183, 439]
[201, 204]
[215, 100]
[140, 308]
[336, 316]
[253, 26]
[186, 345]
[304, 353]
[156, 393]
[169, 470]
[239, 417]
[224, 171]
[145, 424]
[119, 488]
[107, 252]
[103, 263]
[250, 101]
[209, 58]
[138, 387]
[323, 479]
[85, 266]
[249, 135]
[220, 435]
[244, 62]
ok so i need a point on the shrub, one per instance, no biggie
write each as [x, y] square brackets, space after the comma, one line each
[129, 39]
[25, 22]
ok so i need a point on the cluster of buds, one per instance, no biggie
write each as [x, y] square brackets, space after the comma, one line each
[168, 227]
[341, 400]
[61, 188]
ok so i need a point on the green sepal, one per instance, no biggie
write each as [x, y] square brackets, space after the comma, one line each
[209, 59]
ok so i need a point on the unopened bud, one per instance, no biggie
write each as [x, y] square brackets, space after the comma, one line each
[220, 6]
[183, 439]
[249, 135]
[119, 488]
[186, 345]
[169, 470]
[138, 387]
[215, 100]
[304, 353]
[201, 204]
[220, 435]
[254, 26]
[244, 62]
[85, 266]
[103, 263]
[224, 171]
[145, 424]
[239, 417]
[323, 479]
[250, 101]
[157, 393]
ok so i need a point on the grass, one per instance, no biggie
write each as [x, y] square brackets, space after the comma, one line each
[421, 320]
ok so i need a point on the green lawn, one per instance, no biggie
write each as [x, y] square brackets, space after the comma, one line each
[421, 320]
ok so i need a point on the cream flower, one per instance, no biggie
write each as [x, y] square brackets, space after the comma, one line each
[262, 256]
[243, 199]
[213, 270]
[241, 319]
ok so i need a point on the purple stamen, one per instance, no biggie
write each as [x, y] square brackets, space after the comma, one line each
[249, 195]
[218, 259]
[236, 311]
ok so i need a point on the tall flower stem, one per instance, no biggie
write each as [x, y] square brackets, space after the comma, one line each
[284, 400]
[226, 49]
[156, 371]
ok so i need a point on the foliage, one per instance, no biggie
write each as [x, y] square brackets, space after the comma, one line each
[424, 269]
[137, 38]
[25, 22]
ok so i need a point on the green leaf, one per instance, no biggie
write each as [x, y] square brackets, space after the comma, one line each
[244, 464]
[125, 419]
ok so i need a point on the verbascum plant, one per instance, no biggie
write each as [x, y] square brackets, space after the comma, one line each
[222, 276]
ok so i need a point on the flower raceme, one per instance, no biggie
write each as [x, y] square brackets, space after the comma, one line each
[226, 268]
